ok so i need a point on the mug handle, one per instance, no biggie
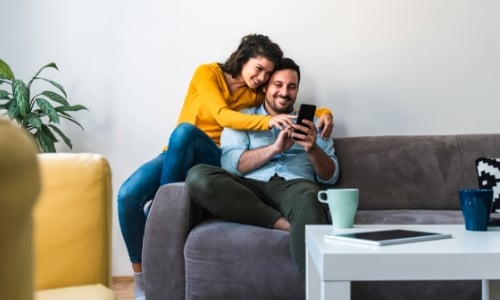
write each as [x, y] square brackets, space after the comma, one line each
[320, 193]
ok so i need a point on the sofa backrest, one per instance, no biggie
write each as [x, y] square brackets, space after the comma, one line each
[412, 172]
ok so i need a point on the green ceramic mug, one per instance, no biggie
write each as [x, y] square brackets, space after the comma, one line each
[342, 204]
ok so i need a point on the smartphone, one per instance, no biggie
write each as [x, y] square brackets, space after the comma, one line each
[306, 111]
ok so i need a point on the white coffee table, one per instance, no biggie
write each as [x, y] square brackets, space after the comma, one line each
[332, 265]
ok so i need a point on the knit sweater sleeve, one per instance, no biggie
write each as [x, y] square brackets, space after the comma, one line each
[224, 107]
[322, 111]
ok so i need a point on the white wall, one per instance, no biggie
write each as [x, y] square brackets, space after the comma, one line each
[383, 67]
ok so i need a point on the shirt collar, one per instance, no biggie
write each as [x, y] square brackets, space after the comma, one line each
[261, 110]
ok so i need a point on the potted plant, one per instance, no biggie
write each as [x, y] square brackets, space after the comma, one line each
[37, 112]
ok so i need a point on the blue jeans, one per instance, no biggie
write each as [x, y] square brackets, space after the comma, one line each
[187, 147]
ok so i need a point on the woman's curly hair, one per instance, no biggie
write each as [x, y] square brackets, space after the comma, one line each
[251, 46]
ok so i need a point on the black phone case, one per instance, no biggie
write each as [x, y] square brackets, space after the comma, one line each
[306, 111]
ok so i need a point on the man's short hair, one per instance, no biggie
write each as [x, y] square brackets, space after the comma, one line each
[287, 63]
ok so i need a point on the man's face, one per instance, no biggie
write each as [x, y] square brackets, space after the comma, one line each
[281, 92]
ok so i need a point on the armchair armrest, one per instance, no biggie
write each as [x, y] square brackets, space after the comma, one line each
[19, 188]
[72, 221]
[169, 222]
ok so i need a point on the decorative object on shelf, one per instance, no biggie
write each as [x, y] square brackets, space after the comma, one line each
[34, 110]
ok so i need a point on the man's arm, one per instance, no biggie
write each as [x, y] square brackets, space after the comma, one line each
[255, 158]
[323, 165]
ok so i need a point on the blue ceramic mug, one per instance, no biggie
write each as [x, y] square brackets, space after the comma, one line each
[476, 208]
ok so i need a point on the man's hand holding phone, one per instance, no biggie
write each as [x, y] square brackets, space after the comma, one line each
[304, 130]
[305, 134]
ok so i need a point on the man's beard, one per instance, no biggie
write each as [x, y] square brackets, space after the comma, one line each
[279, 109]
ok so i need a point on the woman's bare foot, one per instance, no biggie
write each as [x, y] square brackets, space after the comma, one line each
[282, 224]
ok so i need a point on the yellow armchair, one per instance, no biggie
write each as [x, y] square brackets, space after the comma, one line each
[72, 232]
[59, 246]
[19, 187]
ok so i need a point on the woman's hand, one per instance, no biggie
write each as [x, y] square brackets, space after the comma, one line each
[326, 122]
[281, 121]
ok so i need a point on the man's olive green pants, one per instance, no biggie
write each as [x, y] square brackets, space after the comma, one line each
[259, 203]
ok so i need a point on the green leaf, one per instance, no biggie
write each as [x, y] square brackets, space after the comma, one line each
[33, 121]
[5, 71]
[49, 65]
[66, 140]
[48, 109]
[13, 111]
[46, 130]
[45, 143]
[76, 107]
[70, 118]
[4, 94]
[46, 139]
[55, 97]
[57, 85]
[21, 95]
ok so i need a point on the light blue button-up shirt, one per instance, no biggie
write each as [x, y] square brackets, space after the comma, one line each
[291, 164]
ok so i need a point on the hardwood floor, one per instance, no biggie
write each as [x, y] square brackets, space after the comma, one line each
[123, 287]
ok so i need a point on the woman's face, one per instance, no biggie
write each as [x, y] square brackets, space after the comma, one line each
[256, 71]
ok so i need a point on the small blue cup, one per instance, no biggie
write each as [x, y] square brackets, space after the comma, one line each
[476, 208]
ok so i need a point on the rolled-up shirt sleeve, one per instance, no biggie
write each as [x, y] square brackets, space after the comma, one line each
[233, 144]
[329, 148]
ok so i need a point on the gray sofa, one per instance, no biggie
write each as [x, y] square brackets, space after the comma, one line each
[402, 179]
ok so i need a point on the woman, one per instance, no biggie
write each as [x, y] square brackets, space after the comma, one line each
[215, 95]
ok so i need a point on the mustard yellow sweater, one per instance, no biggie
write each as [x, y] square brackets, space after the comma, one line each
[210, 106]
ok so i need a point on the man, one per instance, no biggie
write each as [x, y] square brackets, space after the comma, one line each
[269, 178]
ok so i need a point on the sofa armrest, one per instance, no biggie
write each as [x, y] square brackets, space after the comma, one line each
[169, 222]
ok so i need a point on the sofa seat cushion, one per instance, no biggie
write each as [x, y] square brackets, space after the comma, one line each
[82, 292]
[226, 260]
[409, 216]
